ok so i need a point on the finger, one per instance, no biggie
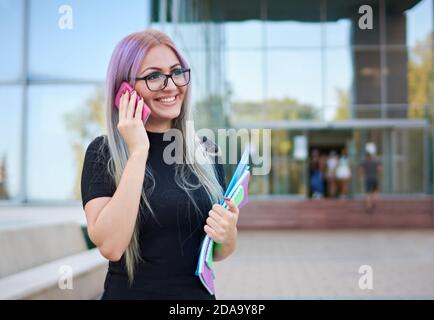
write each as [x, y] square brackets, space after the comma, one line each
[219, 209]
[232, 207]
[138, 113]
[211, 233]
[214, 224]
[123, 105]
[216, 216]
[131, 105]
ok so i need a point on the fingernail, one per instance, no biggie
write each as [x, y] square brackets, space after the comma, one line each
[227, 199]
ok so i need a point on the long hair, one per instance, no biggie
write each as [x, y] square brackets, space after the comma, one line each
[124, 64]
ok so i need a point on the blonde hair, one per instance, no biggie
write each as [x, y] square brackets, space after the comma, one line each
[125, 63]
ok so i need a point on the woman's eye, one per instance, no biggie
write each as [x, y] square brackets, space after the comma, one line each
[177, 72]
[154, 76]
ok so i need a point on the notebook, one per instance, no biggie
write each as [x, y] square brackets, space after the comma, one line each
[237, 191]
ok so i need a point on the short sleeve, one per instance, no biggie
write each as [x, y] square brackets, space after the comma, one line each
[95, 178]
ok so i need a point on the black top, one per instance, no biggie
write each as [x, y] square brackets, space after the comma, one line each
[170, 249]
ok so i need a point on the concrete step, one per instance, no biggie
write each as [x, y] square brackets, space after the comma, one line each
[87, 270]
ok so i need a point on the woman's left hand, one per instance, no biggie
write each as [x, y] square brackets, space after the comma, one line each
[221, 224]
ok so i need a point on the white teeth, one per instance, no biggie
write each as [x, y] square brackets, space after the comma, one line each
[171, 99]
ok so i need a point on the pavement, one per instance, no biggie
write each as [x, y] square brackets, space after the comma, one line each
[300, 263]
[303, 264]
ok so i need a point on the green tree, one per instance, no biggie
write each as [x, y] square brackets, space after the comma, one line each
[420, 81]
[273, 109]
[83, 125]
[343, 110]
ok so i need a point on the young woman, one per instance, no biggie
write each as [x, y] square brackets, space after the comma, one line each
[146, 216]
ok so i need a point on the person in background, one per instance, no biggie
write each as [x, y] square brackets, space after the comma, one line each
[343, 173]
[371, 168]
[331, 165]
[315, 175]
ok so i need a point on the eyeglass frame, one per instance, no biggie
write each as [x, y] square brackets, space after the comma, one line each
[166, 81]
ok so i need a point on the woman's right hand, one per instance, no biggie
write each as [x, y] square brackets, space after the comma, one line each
[130, 124]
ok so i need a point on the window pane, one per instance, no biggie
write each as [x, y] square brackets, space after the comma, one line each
[243, 25]
[247, 34]
[10, 131]
[194, 36]
[397, 82]
[367, 83]
[244, 75]
[419, 24]
[419, 77]
[293, 81]
[338, 33]
[407, 160]
[293, 23]
[62, 122]
[84, 51]
[207, 90]
[288, 174]
[11, 31]
[338, 84]
[293, 33]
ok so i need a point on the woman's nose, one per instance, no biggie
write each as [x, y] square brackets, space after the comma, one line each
[170, 85]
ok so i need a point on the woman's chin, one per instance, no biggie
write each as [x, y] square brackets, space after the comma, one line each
[166, 114]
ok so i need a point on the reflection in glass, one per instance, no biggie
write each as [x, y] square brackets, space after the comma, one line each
[419, 23]
[282, 34]
[407, 160]
[246, 34]
[294, 84]
[338, 84]
[420, 81]
[244, 73]
[62, 122]
[82, 52]
[367, 83]
[288, 174]
[10, 131]
[293, 24]
[338, 33]
[11, 31]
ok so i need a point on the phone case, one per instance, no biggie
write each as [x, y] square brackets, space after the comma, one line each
[125, 86]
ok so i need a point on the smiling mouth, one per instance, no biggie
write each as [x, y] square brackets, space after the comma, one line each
[168, 101]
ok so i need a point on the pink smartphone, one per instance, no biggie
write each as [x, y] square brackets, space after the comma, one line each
[125, 86]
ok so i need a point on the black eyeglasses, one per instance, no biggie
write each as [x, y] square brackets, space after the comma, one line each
[157, 81]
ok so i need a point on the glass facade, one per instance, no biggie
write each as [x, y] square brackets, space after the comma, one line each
[306, 69]
[52, 90]
[338, 73]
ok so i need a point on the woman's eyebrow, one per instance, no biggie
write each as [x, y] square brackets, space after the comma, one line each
[155, 68]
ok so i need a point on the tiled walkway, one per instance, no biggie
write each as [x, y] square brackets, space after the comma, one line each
[325, 265]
